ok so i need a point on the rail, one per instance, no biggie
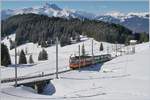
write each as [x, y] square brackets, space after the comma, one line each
[37, 76]
[31, 77]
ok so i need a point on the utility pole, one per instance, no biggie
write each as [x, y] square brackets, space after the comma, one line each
[92, 53]
[149, 32]
[56, 57]
[149, 28]
[15, 64]
[121, 50]
[79, 57]
[116, 48]
[107, 49]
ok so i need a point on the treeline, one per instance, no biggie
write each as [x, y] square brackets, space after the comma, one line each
[6, 60]
[43, 30]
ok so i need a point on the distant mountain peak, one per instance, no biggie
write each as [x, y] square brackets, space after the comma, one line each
[115, 14]
[129, 20]
[53, 6]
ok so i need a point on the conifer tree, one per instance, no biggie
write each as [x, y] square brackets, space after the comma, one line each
[5, 57]
[12, 44]
[49, 41]
[101, 47]
[26, 50]
[31, 59]
[43, 55]
[43, 44]
[143, 37]
[22, 58]
[78, 38]
[40, 56]
[18, 53]
[83, 50]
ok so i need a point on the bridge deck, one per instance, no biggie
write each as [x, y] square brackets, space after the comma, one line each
[34, 78]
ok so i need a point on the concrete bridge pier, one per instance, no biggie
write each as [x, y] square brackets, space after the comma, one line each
[38, 86]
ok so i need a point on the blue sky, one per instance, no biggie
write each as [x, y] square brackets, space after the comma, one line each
[98, 7]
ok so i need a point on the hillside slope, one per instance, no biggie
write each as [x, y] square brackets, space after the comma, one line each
[48, 66]
[123, 78]
[39, 28]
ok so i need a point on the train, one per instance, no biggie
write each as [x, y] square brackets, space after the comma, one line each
[83, 61]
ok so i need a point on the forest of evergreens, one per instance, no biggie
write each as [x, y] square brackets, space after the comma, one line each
[43, 29]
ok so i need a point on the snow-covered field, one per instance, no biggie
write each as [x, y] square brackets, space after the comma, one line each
[49, 65]
[126, 77]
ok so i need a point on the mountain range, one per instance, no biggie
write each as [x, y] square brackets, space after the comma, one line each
[137, 22]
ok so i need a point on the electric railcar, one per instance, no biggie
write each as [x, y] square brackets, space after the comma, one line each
[83, 61]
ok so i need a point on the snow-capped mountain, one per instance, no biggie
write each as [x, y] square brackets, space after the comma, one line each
[122, 17]
[137, 22]
[49, 10]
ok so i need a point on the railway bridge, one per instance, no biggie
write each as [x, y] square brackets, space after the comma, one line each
[38, 85]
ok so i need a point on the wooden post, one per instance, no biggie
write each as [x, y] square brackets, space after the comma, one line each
[56, 57]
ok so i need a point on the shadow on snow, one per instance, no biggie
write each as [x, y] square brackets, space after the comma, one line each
[95, 67]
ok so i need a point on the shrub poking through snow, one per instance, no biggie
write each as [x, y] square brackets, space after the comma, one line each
[43, 55]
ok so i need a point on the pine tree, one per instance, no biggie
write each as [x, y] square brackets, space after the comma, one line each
[18, 53]
[26, 51]
[49, 41]
[43, 55]
[5, 57]
[12, 44]
[78, 38]
[31, 59]
[101, 47]
[43, 44]
[22, 58]
[143, 37]
[40, 56]
[83, 50]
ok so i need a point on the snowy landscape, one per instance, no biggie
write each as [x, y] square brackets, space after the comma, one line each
[36, 40]
[123, 78]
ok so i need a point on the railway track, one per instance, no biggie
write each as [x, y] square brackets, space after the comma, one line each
[31, 77]
[38, 76]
